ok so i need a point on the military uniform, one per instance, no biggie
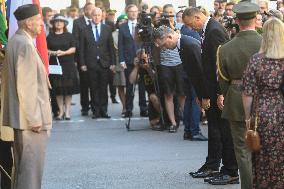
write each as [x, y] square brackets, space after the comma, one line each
[232, 61]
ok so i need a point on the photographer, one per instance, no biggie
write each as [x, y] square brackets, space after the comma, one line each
[229, 22]
[143, 71]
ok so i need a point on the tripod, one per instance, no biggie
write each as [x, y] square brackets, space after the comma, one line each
[154, 77]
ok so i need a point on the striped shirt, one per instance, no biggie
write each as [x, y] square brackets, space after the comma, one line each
[170, 57]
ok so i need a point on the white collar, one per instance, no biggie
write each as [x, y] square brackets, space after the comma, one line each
[206, 23]
[98, 25]
[132, 21]
[87, 20]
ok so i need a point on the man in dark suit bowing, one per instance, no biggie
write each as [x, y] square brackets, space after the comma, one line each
[220, 144]
[97, 56]
[127, 47]
[79, 25]
[189, 50]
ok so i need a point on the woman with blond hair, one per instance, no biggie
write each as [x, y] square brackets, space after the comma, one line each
[262, 96]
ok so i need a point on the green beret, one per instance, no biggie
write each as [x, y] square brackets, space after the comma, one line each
[245, 10]
[121, 17]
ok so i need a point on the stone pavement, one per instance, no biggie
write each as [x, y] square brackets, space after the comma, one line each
[88, 154]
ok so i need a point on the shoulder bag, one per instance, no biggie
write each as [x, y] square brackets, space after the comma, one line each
[55, 69]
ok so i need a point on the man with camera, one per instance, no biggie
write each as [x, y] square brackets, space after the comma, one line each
[144, 71]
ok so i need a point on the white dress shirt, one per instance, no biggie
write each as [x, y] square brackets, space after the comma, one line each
[130, 25]
[94, 29]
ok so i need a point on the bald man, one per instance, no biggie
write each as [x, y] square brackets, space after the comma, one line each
[96, 58]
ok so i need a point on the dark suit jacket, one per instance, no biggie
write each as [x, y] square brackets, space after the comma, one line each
[126, 45]
[215, 35]
[90, 49]
[190, 53]
[79, 26]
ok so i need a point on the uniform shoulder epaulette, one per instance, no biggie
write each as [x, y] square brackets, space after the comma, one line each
[218, 65]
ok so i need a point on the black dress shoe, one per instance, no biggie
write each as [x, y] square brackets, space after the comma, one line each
[187, 136]
[114, 101]
[127, 114]
[96, 116]
[84, 113]
[67, 118]
[208, 179]
[173, 129]
[224, 180]
[144, 113]
[105, 115]
[199, 137]
[204, 174]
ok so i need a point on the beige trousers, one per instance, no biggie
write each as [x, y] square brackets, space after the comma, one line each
[29, 155]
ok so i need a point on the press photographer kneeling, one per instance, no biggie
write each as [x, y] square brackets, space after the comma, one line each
[144, 71]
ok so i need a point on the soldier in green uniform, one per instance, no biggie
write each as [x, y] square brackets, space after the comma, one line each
[232, 59]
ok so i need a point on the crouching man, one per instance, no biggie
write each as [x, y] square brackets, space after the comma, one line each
[144, 71]
[25, 99]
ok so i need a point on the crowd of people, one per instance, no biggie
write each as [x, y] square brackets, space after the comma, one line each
[227, 64]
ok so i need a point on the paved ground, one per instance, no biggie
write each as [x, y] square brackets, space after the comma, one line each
[88, 154]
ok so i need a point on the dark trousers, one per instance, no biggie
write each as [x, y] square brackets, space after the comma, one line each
[54, 105]
[98, 77]
[220, 142]
[130, 92]
[112, 89]
[191, 114]
[6, 161]
[85, 92]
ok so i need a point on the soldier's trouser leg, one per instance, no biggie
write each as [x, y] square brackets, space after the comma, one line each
[243, 155]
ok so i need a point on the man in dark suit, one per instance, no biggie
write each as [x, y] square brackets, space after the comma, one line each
[189, 50]
[127, 52]
[79, 26]
[220, 144]
[112, 89]
[97, 56]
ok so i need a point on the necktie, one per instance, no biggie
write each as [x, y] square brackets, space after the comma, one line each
[97, 34]
[133, 30]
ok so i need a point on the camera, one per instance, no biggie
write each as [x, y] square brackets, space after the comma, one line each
[164, 20]
[230, 23]
[144, 27]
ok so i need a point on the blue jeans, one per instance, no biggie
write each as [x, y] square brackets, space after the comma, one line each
[191, 114]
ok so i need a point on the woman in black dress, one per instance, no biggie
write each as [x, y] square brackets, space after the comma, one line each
[62, 45]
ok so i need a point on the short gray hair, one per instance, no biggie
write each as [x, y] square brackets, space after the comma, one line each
[191, 12]
[162, 32]
[22, 24]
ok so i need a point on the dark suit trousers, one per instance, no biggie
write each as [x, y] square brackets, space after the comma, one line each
[6, 161]
[130, 92]
[98, 77]
[112, 89]
[85, 89]
[220, 142]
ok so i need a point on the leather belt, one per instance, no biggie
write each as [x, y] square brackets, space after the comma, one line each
[236, 82]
